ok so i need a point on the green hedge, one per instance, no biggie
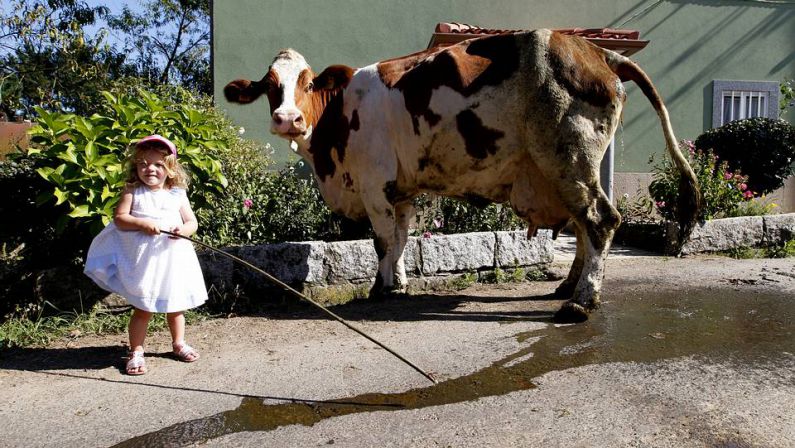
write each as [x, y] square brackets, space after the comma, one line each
[761, 148]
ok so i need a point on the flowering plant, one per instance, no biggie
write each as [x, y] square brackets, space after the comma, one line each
[724, 190]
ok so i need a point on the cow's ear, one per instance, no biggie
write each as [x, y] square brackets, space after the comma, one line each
[333, 77]
[243, 91]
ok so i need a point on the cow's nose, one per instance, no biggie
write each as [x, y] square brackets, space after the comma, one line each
[288, 119]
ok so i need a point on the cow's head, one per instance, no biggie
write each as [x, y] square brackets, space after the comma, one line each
[297, 98]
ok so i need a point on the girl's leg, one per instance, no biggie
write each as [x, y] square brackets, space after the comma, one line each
[137, 331]
[176, 324]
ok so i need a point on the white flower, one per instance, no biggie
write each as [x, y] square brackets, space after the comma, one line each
[241, 131]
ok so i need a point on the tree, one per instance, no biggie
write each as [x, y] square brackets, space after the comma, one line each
[169, 41]
[47, 60]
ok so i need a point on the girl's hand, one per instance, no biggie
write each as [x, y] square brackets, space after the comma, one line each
[177, 230]
[150, 227]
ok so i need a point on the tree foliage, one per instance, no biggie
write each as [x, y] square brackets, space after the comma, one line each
[168, 41]
[47, 59]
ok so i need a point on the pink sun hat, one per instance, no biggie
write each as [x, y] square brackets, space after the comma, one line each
[159, 139]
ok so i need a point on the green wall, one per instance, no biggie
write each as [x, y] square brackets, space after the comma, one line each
[692, 43]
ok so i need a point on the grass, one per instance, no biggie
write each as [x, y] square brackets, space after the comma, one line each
[781, 251]
[42, 330]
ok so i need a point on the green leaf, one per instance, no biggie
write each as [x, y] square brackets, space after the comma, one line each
[90, 151]
[106, 193]
[60, 196]
[81, 211]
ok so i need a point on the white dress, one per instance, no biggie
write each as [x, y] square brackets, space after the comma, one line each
[154, 273]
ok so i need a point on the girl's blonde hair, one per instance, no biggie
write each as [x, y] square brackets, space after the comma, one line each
[176, 176]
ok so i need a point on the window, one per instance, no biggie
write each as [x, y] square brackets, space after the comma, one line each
[736, 100]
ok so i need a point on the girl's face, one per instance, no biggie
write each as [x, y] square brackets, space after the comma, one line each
[151, 167]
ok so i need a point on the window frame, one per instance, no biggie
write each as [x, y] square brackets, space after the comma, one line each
[771, 88]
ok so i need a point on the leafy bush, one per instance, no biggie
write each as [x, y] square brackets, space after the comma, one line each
[264, 206]
[723, 189]
[448, 215]
[762, 148]
[82, 158]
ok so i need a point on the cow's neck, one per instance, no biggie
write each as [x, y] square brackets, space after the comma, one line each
[329, 132]
[318, 102]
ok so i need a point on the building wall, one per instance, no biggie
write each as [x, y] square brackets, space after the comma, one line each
[691, 44]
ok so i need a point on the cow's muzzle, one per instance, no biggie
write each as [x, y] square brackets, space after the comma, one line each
[288, 124]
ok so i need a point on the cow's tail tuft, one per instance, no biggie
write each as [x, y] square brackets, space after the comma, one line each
[690, 199]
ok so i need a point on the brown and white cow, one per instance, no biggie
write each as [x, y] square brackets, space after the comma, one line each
[522, 117]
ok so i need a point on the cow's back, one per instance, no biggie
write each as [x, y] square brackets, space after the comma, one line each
[465, 120]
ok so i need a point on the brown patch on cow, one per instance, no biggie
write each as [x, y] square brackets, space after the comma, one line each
[322, 107]
[331, 132]
[582, 69]
[479, 140]
[334, 77]
[355, 120]
[243, 91]
[394, 194]
[275, 95]
[391, 192]
[347, 180]
[466, 68]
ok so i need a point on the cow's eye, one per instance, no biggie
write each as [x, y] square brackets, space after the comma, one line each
[310, 87]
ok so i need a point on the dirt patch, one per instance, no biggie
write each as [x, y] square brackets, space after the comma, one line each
[670, 360]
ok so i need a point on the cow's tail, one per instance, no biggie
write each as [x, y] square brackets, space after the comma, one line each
[690, 199]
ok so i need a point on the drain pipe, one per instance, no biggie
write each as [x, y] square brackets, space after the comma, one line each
[606, 169]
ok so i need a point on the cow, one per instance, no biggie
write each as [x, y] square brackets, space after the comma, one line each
[523, 118]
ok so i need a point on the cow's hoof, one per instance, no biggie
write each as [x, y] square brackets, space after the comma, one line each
[387, 294]
[571, 313]
[376, 294]
[565, 290]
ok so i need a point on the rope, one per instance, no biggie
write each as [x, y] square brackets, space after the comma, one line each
[292, 291]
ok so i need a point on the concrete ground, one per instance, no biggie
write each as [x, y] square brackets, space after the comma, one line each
[697, 351]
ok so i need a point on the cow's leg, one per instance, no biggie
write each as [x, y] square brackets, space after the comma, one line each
[566, 288]
[403, 212]
[596, 223]
[382, 218]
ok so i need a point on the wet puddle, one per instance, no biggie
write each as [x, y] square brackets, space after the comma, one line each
[720, 325]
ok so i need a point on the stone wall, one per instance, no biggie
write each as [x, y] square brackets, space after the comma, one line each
[731, 233]
[318, 263]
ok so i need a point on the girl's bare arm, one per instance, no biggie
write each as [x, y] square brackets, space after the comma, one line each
[189, 224]
[125, 221]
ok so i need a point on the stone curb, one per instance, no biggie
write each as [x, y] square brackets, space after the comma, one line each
[317, 263]
[730, 233]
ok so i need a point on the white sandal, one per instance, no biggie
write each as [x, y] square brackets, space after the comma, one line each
[185, 352]
[136, 365]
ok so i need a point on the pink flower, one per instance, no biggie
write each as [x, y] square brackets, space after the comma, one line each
[743, 187]
[727, 176]
[691, 148]
[247, 203]
[426, 234]
[660, 204]
[748, 194]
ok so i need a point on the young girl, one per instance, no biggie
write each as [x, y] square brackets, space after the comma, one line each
[132, 258]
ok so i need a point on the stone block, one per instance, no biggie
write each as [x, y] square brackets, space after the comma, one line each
[459, 252]
[723, 234]
[515, 249]
[351, 261]
[779, 229]
[289, 262]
